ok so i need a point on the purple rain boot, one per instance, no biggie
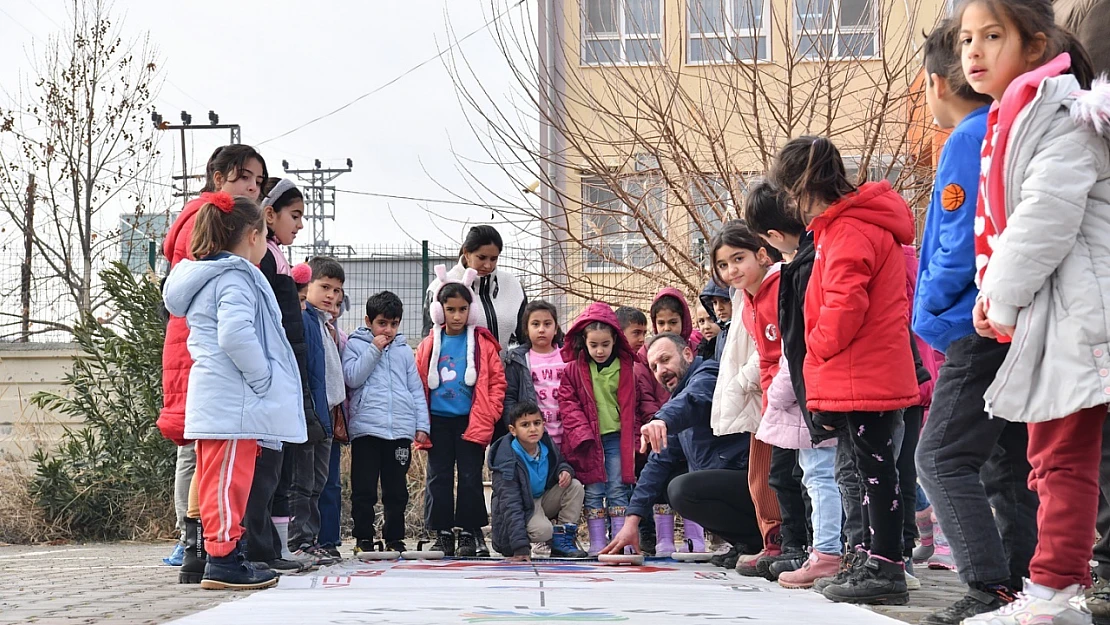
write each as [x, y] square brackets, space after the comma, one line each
[664, 531]
[616, 523]
[694, 535]
[595, 523]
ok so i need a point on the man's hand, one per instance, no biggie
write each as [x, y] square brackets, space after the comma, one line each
[564, 479]
[653, 435]
[422, 437]
[524, 558]
[629, 535]
[382, 341]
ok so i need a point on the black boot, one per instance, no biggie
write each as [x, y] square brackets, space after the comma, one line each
[192, 565]
[726, 560]
[848, 564]
[234, 572]
[877, 582]
[468, 545]
[445, 542]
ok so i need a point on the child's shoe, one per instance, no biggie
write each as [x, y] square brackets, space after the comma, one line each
[564, 542]
[233, 572]
[1039, 604]
[194, 559]
[333, 551]
[480, 548]
[785, 563]
[595, 523]
[912, 583]
[818, 566]
[468, 545]
[396, 545]
[541, 550]
[852, 560]
[941, 560]
[323, 556]
[176, 556]
[1098, 600]
[978, 600]
[924, 550]
[664, 531]
[694, 535]
[877, 582]
[363, 545]
[445, 542]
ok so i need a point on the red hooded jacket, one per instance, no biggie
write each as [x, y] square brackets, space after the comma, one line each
[578, 409]
[176, 361]
[857, 333]
[761, 320]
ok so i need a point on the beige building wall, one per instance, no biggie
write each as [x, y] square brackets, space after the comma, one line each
[26, 369]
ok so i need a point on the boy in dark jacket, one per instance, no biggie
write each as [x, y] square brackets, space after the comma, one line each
[535, 496]
[718, 303]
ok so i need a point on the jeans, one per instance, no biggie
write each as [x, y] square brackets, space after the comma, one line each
[969, 463]
[792, 506]
[819, 478]
[374, 459]
[718, 500]
[444, 507]
[613, 491]
[263, 542]
[183, 476]
[310, 474]
[907, 476]
[331, 501]
[922, 499]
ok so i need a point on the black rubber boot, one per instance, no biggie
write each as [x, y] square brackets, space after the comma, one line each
[192, 565]
[233, 572]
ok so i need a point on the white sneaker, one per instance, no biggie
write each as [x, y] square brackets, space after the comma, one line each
[1039, 604]
[541, 550]
[912, 583]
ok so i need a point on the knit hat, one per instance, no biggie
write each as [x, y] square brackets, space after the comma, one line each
[302, 275]
[438, 320]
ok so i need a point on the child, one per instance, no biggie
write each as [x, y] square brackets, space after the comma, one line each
[535, 496]
[331, 498]
[766, 213]
[707, 325]
[325, 380]
[634, 326]
[718, 303]
[670, 313]
[859, 371]
[238, 170]
[741, 261]
[958, 441]
[604, 399]
[460, 365]
[282, 208]
[1043, 279]
[388, 412]
[302, 275]
[243, 387]
[534, 368]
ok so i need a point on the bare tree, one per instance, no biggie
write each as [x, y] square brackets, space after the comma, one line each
[80, 129]
[647, 143]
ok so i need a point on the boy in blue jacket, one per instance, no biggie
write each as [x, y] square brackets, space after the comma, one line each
[535, 496]
[388, 412]
[958, 439]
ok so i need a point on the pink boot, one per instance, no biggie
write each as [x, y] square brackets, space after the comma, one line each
[924, 551]
[595, 523]
[941, 559]
[664, 531]
[817, 566]
[695, 536]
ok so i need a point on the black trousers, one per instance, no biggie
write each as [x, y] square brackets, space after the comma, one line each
[785, 481]
[871, 434]
[907, 477]
[374, 458]
[719, 501]
[281, 495]
[263, 543]
[445, 507]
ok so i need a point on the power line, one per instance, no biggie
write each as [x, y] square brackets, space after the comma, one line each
[427, 200]
[397, 78]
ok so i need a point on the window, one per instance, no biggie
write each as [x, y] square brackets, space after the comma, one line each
[622, 32]
[712, 204]
[836, 29]
[725, 31]
[611, 228]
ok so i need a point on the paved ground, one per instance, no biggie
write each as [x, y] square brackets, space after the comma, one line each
[127, 583]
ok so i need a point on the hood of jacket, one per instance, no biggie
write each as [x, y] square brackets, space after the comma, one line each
[190, 277]
[687, 320]
[182, 228]
[712, 290]
[597, 311]
[874, 203]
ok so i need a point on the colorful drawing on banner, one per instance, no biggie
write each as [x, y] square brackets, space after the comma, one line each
[559, 569]
[710, 575]
[540, 616]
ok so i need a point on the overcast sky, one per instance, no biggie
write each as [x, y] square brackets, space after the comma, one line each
[271, 66]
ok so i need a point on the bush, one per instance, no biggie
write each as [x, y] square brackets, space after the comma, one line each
[113, 478]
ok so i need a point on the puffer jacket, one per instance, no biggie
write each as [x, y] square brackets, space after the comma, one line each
[737, 398]
[316, 366]
[511, 505]
[783, 425]
[387, 397]
[761, 320]
[489, 387]
[244, 382]
[500, 301]
[857, 333]
[1050, 261]
[712, 290]
[578, 409]
[176, 361]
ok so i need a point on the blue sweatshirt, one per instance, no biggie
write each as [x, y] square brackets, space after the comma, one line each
[946, 289]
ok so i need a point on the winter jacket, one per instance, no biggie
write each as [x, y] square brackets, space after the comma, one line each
[946, 290]
[512, 505]
[712, 290]
[1050, 261]
[691, 334]
[737, 398]
[176, 361]
[691, 444]
[244, 382]
[518, 379]
[387, 397]
[489, 386]
[783, 425]
[500, 301]
[761, 320]
[923, 358]
[317, 369]
[292, 320]
[857, 335]
[578, 409]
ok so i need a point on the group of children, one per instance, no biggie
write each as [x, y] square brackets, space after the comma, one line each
[824, 372]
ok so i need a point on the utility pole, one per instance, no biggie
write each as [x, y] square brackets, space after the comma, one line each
[319, 199]
[28, 248]
[187, 124]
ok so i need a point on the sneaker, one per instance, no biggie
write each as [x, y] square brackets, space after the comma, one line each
[323, 556]
[468, 545]
[747, 558]
[726, 560]
[791, 561]
[1097, 598]
[1038, 604]
[305, 558]
[176, 556]
[283, 566]
[445, 542]
[877, 582]
[912, 583]
[817, 566]
[848, 563]
[975, 602]
[396, 545]
[541, 550]
[333, 551]
[363, 545]
[233, 572]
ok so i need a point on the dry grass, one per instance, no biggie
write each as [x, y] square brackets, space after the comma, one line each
[21, 521]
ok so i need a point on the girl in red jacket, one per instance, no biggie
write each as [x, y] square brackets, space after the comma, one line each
[859, 370]
[604, 399]
[236, 170]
